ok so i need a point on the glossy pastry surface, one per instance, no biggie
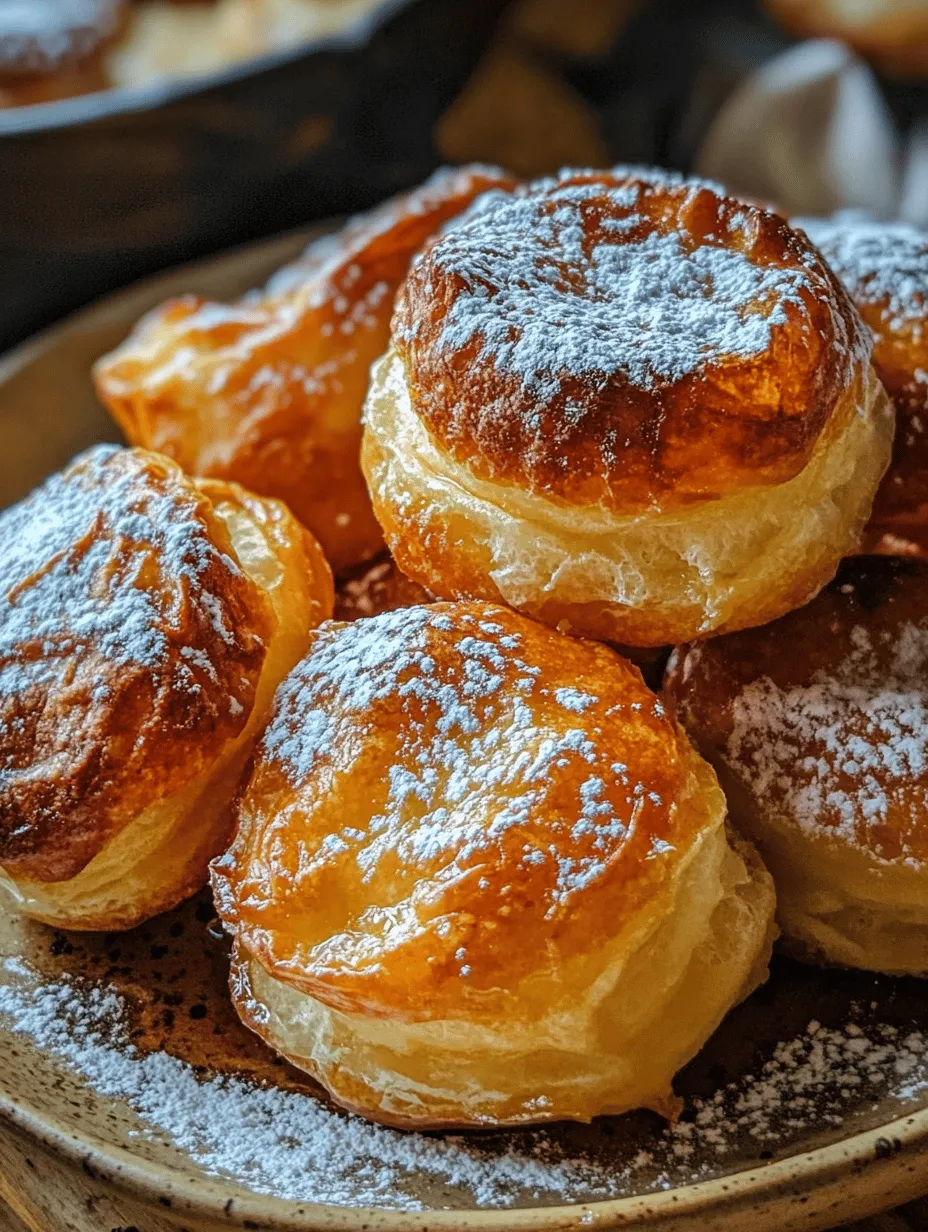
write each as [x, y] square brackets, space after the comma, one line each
[268, 392]
[884, 267]
[479, 877]
[146, 620]
[608, 398]
[818, 727]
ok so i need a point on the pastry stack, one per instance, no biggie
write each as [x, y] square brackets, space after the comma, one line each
[612, 700]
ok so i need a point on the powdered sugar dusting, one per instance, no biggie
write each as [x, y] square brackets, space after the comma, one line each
[850, 746]
[292, 1145]
[276, 1142]
[469, 744]
[878, 262]
[551, 281]
[806, 1082]
[36, 35]
[77, 574]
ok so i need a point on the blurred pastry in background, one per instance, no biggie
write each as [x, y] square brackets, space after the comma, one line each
[268, 391]
[891, 33]
[51, 49]
[178, 39]
[146, 620]
[479, 877]
[54, 49]
[628, 405]
[818, 728]
[884, 267]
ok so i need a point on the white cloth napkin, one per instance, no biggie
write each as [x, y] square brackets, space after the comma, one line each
[811, 132]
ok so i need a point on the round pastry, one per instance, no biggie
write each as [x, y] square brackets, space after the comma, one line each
[479, 876]
[627, 405]
[145, 623]
[818, 727]
[891, 33]
[268, 391]
[377, 587]
[884, 267]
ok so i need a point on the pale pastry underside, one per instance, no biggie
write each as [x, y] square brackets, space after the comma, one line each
[643, 580]
[837, 903]
[606, 1045]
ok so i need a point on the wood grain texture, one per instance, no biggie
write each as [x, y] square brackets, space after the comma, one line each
[42, 1192]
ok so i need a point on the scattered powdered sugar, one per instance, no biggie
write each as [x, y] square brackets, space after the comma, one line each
[74, 553]
[36, 35]
[807, 1083]
[878, 262]
[851, 744]
[479, 759]
[292, 1145]
[543, 299]
[276, 1142]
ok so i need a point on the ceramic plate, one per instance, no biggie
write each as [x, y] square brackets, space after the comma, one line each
[810, 1103]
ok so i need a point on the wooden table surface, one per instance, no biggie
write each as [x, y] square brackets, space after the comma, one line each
[516, 111]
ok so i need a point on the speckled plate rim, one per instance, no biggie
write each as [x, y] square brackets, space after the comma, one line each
[852, 1178]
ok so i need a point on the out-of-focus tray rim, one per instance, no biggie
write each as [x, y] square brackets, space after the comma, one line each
[853, 1177]
[62, 114]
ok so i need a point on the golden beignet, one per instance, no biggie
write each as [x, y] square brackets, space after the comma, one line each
[884, 267]
[628, 406]
[891, 33]
[146, 621]
[377, 587]
[269, 391]
[818, 727]
[479, 877]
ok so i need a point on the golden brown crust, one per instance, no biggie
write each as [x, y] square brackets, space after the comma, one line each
[820, 718]
[633, 343]
[892, 33]
[132, 644]
[884, 267]
[435, 778]
[268, 391]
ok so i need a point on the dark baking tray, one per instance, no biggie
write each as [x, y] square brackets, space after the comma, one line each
[98, 190]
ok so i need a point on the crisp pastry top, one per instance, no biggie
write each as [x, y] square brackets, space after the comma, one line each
[823, 715]
[884, 267]
[42, 36]
[631, 341]
[131, 644]
[449, 800]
